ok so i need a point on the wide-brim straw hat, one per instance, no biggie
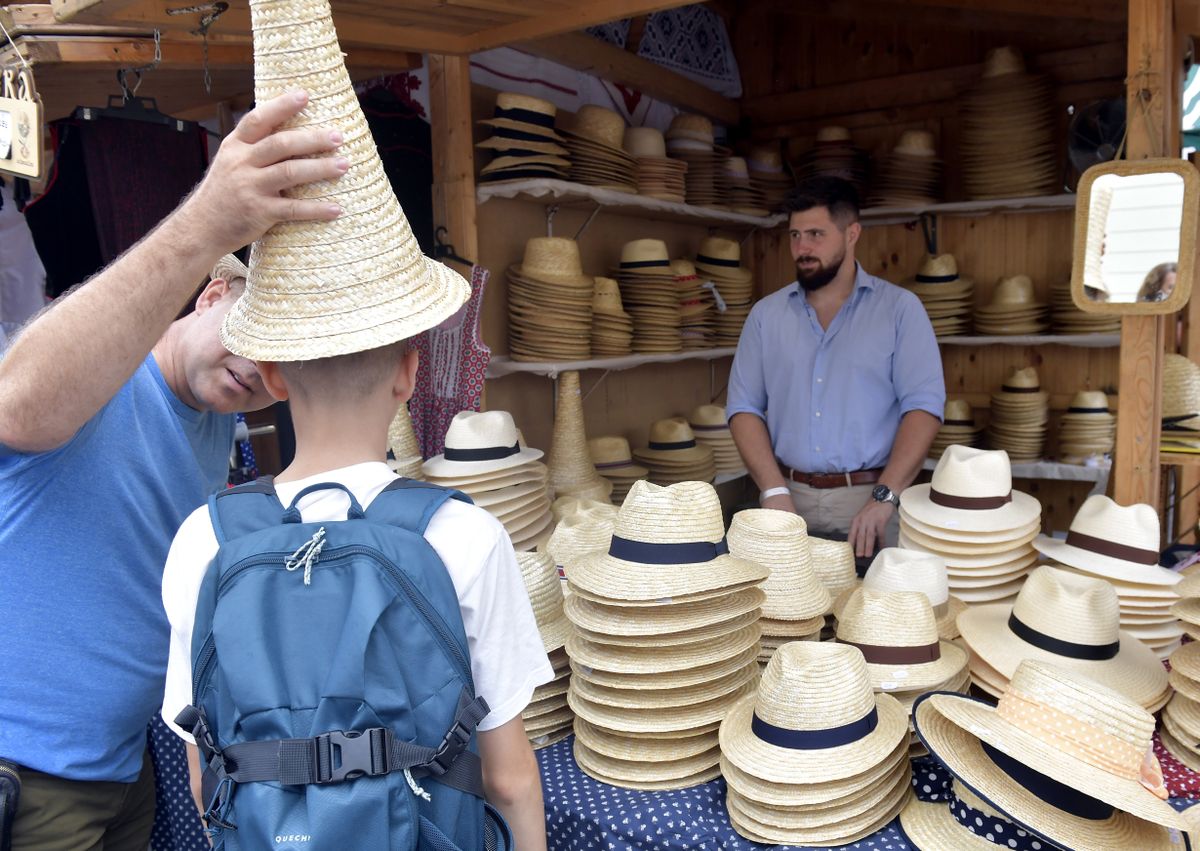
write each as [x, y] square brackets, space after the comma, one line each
[322, 289]
[778, 541]
[1061, 725]
[971, 491]
[480, 442]
[1113, 541]
[1069, 620]
[546, 598]
[814, 717]
[678, 620]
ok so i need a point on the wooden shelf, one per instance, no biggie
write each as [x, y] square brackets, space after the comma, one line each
[500, 365]
[1178, 459]
[566, 194]
[1085, 341]
[903, 215]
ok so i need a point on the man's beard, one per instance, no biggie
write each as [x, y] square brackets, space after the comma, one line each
[820, 276]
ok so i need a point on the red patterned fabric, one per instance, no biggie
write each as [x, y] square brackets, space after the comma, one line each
[452, 367]
[1181, 781]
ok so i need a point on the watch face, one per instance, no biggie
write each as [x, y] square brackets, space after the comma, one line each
[881, 493]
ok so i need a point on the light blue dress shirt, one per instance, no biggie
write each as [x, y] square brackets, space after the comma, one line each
[832, 399]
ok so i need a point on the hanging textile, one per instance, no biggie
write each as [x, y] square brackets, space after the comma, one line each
[177, 825]
[453, 362]
[22, 276]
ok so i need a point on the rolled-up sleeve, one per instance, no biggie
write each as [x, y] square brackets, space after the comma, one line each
[747, 383]
[917, 366]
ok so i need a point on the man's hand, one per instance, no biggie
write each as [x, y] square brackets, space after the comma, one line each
[241, 195]
[869, 526]
[782, 502]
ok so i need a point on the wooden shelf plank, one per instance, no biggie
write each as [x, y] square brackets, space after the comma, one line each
[1178, 459]
[500, 366]
[1085, 341]
[903, 215]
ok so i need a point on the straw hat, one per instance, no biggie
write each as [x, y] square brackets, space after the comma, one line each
[611, 455]
[571, 470]
[693, 127]
[523, 113]
[680, 531]
[778, 541]
[1070, 620]
[553, 259]
[1000, 61]
[480, 443]
[833, 562]
[898, 636]
[576, 535]
[1181, 389]
[766, 159]
[916, 143]
[722, 259]
[815, 718]
[229, 268]
[645, 142]
[546, 597]
[1113, 541]
[938, 273]
[1055, 725]
[646, 257]
[832, 134]
[402, 443]
[321, 289]
[1013, 291]
[971, 490]
[672, 439]
[895, 569]
[600, 125]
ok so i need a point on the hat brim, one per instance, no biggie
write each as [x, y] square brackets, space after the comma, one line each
[756, 831]
[648, 720]
[1134, 672]
[615, 579]
[440, 467]
[952, 727]
[509, 124]
[971, 539]
[620, 771]
[1102, 565]
[931, 827]
[556, 633]
[617, 659]
[1013, 515]
[674, 618]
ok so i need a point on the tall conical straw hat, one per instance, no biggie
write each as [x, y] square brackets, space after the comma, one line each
[321, 289]
[571, 469]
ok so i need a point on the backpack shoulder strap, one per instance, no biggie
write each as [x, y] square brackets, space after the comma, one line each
[410, 504]
[244, 509]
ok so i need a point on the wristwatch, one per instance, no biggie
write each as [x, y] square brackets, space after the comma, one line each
[882, 493]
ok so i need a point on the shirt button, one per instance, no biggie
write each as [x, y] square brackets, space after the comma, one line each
[818, 413]
[819, 380]
[818, 449]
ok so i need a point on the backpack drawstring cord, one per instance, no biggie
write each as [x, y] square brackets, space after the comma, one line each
[306, 556]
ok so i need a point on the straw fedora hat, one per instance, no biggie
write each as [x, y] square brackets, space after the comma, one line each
[1089, 403]
[600, 125]
[696, 128]
[402, 443]
[1013, 291]
[606, 298]
[833, 562]
[1067, 619]
[709, 418]
[672, 439]
[553, 259]
[546, 597]
[721, 258]
[229, 268]
[322, 289]
[896, 569]
[971, 491]
[645, 142]
[1113, 541]
[898, 636]
[1001, 61]
[646, 257]
[1056, 731]
[524, 113]
[778, 541]
[1181, 389]
[938, 273]
[814, 718]
[578, 535]
[611, 455]
[680, 531]
[480, 443]
[915, 143]
[765, 159]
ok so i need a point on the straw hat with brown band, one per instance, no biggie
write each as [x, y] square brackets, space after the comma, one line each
[895, 569]
[1113, 541]
[971, 491]
[1063, 756]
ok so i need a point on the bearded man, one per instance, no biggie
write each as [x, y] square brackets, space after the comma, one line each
[836, 391]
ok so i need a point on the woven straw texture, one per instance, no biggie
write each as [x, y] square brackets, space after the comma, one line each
[546, 597]
[778, 541]
[571, 469]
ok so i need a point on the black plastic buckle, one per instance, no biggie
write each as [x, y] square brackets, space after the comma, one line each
[456, 740]
[344, 755]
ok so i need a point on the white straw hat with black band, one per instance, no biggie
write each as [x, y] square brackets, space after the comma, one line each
[479, 443]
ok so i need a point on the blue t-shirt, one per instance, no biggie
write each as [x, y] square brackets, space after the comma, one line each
[84, 534]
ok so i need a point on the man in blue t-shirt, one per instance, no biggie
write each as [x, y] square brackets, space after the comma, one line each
[115, 423]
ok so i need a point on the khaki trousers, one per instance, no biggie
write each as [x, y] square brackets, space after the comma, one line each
[828, 511]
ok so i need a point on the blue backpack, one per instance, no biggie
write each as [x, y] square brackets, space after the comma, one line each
[332, 698]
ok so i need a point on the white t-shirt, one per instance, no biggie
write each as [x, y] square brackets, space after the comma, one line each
[507, 657]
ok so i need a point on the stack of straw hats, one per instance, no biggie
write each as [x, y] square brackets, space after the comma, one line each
[612, 327]
[550, 303]
[946, 296]
[796, 602]
[709, 425]
[1008, 146]
[613, 460]
[547, 718]
[673, 455]
[720, 260]
[403, 449]
[1180, 404]
[690, 140]
[1120, 544]
[571, 470]
[485, 460]
[834, 154]
[697, 316]
[658, 176]
[815, 757]
[1088, 428]
[971, 517]
[585, 530]
[895, 569]
[524, 140]
[768, 175]
[1187, 609]
[1181, 717]
[1066, 318]
[597, 155]
[649, 293]
[1013, 310]
[1020, 412]
[1061, 762]
[958, 427]
[666, 640]
[738, 192]
[1070, 620]
[912, 173]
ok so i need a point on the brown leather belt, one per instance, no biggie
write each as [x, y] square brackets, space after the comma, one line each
[833, 480]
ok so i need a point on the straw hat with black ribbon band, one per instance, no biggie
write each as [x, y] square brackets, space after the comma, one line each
[1065, 757]
[721, 258]
[480, 443]
[1180, 393]
[938, 275]
[1113, 541]
[1070, 620]
[579, 534]
[528, 115]
[896, 569]
[611, 456]
[359, 282]
[971, 490]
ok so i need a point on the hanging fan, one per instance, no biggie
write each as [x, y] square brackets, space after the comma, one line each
[1096, 133]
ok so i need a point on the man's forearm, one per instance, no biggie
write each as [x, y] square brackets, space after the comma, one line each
[909, 450]
[754, 445]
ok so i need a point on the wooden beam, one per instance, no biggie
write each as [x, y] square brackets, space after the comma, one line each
[1113, 11]
[453, 154]
[578, 17]
[593, 56]
[1187, 17]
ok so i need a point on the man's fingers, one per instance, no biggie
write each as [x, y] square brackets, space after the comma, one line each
[291, 144]
[295, 210]
[261, 121]
[291, 173]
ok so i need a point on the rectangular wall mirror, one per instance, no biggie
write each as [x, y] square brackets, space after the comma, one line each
[1135, 236]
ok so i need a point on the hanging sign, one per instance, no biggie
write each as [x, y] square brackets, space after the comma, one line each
[21, 150]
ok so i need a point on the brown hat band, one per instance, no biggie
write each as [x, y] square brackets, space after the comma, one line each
[969, 503]
[1112, 549]
[878, 654]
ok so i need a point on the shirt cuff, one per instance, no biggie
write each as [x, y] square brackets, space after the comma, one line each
[744, 409]
[927, 404]
[517, 700]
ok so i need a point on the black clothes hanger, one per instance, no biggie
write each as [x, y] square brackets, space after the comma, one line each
[444, 251]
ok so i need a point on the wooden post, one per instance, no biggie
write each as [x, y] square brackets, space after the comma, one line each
[453, 155]
[1152, 106]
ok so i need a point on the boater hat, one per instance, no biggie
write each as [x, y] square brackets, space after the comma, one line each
[321, 289]
[531, 116]
[480, 443]
[895, 569]
[971, 491]
[1114, 541]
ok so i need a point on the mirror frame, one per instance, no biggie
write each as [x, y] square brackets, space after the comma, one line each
[1186, 267]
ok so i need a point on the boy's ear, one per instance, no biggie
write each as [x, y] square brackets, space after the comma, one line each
[272, 379]
[214, 291]
[406, 375]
